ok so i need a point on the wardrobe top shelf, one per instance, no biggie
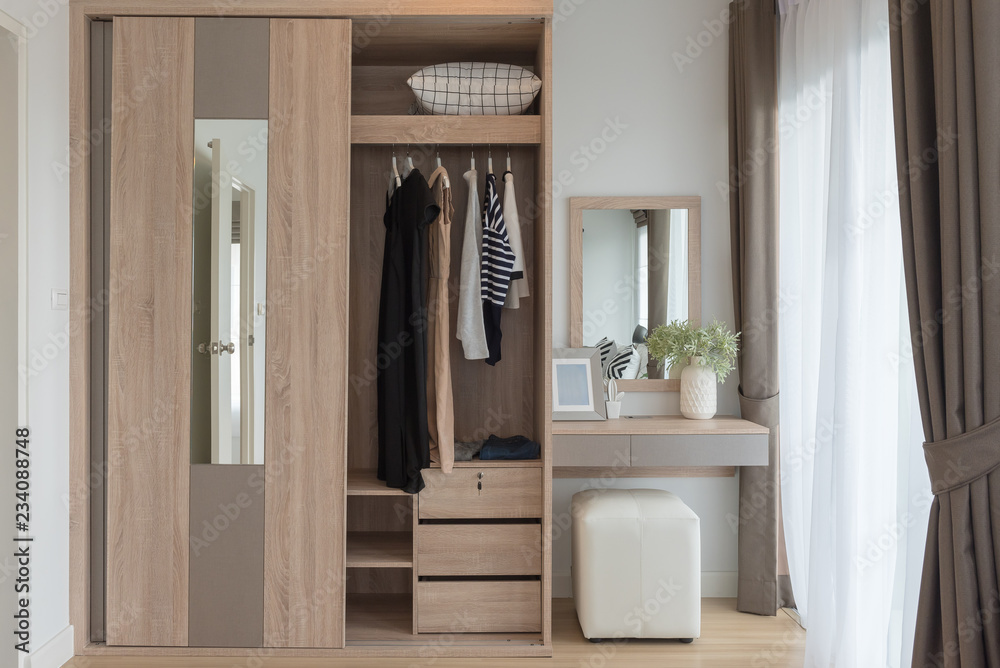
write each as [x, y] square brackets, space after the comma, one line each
[446, 130]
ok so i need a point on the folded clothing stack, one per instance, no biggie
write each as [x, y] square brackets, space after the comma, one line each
[515, 447]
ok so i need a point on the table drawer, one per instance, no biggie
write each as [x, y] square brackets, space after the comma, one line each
[699, 450]
[505, 493]
[591, 450]
[479, 549]
[479, 607]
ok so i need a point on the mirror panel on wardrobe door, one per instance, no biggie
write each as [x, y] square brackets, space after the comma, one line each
[635, 274]
[230, 240]
[230, 250]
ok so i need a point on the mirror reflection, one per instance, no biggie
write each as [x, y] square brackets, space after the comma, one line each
[229, 254]
[635, 277]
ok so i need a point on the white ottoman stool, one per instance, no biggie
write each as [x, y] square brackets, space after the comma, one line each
[636, 565]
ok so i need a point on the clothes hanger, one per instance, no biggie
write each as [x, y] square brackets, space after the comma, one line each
[447, 182]
[508, 157]
[472, 160]
[408, 167]
[489, 160]
[395, 170]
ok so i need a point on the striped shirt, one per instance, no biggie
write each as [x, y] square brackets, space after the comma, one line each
[498, 258]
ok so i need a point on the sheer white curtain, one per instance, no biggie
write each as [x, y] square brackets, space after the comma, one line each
[854, 498]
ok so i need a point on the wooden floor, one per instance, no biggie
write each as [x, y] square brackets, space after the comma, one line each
[728, 640]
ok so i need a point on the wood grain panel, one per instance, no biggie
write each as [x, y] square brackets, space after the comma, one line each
[453, 39]
[543, 314]
[479, 607]
[379, 549]
[446, 130]
[149, 331]
[380, 13]
[479, 549]
[307, 286]
[505, 493]
[381, 514]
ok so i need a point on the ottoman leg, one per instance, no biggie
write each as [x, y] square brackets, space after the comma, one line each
[686, 640]
[594, 639]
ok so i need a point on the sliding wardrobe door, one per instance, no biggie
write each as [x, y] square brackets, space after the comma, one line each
[307, 303]
[149, 331]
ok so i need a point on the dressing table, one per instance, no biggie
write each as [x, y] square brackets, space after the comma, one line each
[636, 262]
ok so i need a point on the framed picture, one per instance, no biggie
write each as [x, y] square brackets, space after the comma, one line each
[577, 386]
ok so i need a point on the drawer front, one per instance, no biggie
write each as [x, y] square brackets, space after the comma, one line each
[700, 450]
[479, 549]
[506, 493]
[588, 450]
[479, 607]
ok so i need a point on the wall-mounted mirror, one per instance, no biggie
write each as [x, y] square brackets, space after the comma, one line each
[635, 265]
[227, 342]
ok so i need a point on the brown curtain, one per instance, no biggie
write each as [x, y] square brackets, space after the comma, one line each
[753, 214]
[658, 277]
[946, 98]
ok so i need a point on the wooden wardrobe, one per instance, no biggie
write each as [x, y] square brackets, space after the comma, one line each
[323, 559]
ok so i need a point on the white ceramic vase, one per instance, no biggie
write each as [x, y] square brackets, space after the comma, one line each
[699, 387]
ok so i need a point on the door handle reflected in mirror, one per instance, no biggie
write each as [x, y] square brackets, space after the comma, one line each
[216, 348]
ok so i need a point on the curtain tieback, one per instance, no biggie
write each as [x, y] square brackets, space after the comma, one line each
[955, 462]
[762, 411]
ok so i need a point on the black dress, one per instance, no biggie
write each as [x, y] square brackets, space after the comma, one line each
[403, 447]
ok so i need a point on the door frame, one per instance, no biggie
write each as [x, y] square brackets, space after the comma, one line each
[248, 259]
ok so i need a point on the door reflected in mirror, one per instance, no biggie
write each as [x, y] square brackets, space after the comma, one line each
[228, 333]
[635, 278]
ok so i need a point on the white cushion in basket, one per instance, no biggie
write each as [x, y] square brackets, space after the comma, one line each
[474, 89]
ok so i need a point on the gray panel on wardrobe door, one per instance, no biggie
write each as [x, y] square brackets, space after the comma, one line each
[100, 220]
[231, 61]
[227, 556]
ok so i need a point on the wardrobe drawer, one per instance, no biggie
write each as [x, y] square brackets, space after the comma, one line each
[479, 607]
[479, 549]
[590, 450]
[506, 492]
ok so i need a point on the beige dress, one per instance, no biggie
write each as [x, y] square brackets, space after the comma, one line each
[440, 402]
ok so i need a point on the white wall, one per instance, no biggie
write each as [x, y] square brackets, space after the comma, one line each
[10, 418]
[634, 117]
[48, 339]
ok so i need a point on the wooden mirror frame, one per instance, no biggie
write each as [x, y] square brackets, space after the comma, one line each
[577, 205]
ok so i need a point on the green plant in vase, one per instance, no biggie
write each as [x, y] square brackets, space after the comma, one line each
[710, 353]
